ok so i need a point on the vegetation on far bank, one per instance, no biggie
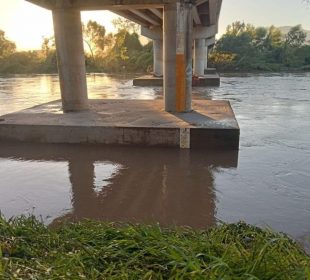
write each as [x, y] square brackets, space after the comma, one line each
[243, 47]
[105, 52]
[96, 250]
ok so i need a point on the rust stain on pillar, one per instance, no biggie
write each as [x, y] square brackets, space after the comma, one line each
[180, 60]
[183, 57]
[180, 85]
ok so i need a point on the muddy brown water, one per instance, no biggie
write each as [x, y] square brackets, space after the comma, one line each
[266, 183]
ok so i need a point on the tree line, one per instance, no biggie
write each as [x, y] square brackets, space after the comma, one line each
[104, 52]
[245, 47]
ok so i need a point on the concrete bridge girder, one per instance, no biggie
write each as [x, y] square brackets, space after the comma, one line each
[199, 32]
[92, 5]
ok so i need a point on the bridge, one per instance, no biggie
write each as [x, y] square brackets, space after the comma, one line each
[176, 121]
[173, 25]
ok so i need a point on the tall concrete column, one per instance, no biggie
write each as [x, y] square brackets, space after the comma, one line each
[70, 59]
[158, 58]
[199, 57]
[178, 25]
[206, 57]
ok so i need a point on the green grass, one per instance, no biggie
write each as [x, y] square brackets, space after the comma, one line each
[94, 250]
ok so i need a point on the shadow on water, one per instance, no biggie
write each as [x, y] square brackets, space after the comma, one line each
[149, 185]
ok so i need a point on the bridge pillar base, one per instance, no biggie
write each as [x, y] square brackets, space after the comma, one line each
[158, 58]
[206, 58]
[199, 57]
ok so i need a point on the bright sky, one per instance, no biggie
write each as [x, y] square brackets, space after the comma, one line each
[265, 13]
[26, 24]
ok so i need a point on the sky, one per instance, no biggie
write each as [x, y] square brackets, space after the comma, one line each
[26, 24]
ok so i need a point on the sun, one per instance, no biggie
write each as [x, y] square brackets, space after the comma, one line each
[26, 24]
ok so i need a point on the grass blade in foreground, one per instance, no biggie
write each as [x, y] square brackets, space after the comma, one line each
[94, 250]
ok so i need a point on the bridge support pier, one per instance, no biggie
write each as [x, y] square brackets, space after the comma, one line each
[158, 58]
[206, 57]
[178, 25]
[70, 59]
[199, 57]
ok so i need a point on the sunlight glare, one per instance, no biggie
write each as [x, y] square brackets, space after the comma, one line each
[26, 24]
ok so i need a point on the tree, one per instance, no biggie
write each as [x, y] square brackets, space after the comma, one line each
[240, 43]
[94, 37]
[48, 45]
[296, 37]
[274, 38]
[122, 23]
[7, 47]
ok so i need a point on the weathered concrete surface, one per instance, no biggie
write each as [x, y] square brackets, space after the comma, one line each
[70, 59]
[212, 79]
[210, 71]
[211, 125]
[208, 80]
[199, 57]
[158, 66]
[148, 81]
[177, 34]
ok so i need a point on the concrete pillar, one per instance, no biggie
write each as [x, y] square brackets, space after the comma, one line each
[158, 58]
[206, 57]
[70, 59]
[199, 57]
[178, 25]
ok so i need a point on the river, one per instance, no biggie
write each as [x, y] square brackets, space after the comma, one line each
[267, 183]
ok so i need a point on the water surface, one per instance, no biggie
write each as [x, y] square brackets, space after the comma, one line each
[267, 183]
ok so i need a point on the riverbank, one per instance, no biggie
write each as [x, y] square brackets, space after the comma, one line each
[95, 250]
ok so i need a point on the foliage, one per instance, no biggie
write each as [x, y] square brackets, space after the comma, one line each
[223, 60]
[246, 47]
[127, 53]
[95, 250]
[6, 46]
[295, 37]
[243, 47]
[124, 24]
[118, 52]
[95, 37]
[28, 62]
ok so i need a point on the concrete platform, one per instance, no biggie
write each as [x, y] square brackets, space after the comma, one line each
[211, 79]
[148, 81]
[212, 124]
[210, 71]
[208, 80]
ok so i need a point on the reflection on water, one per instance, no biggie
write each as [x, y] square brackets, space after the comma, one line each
[112, 183]
[270, 186]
